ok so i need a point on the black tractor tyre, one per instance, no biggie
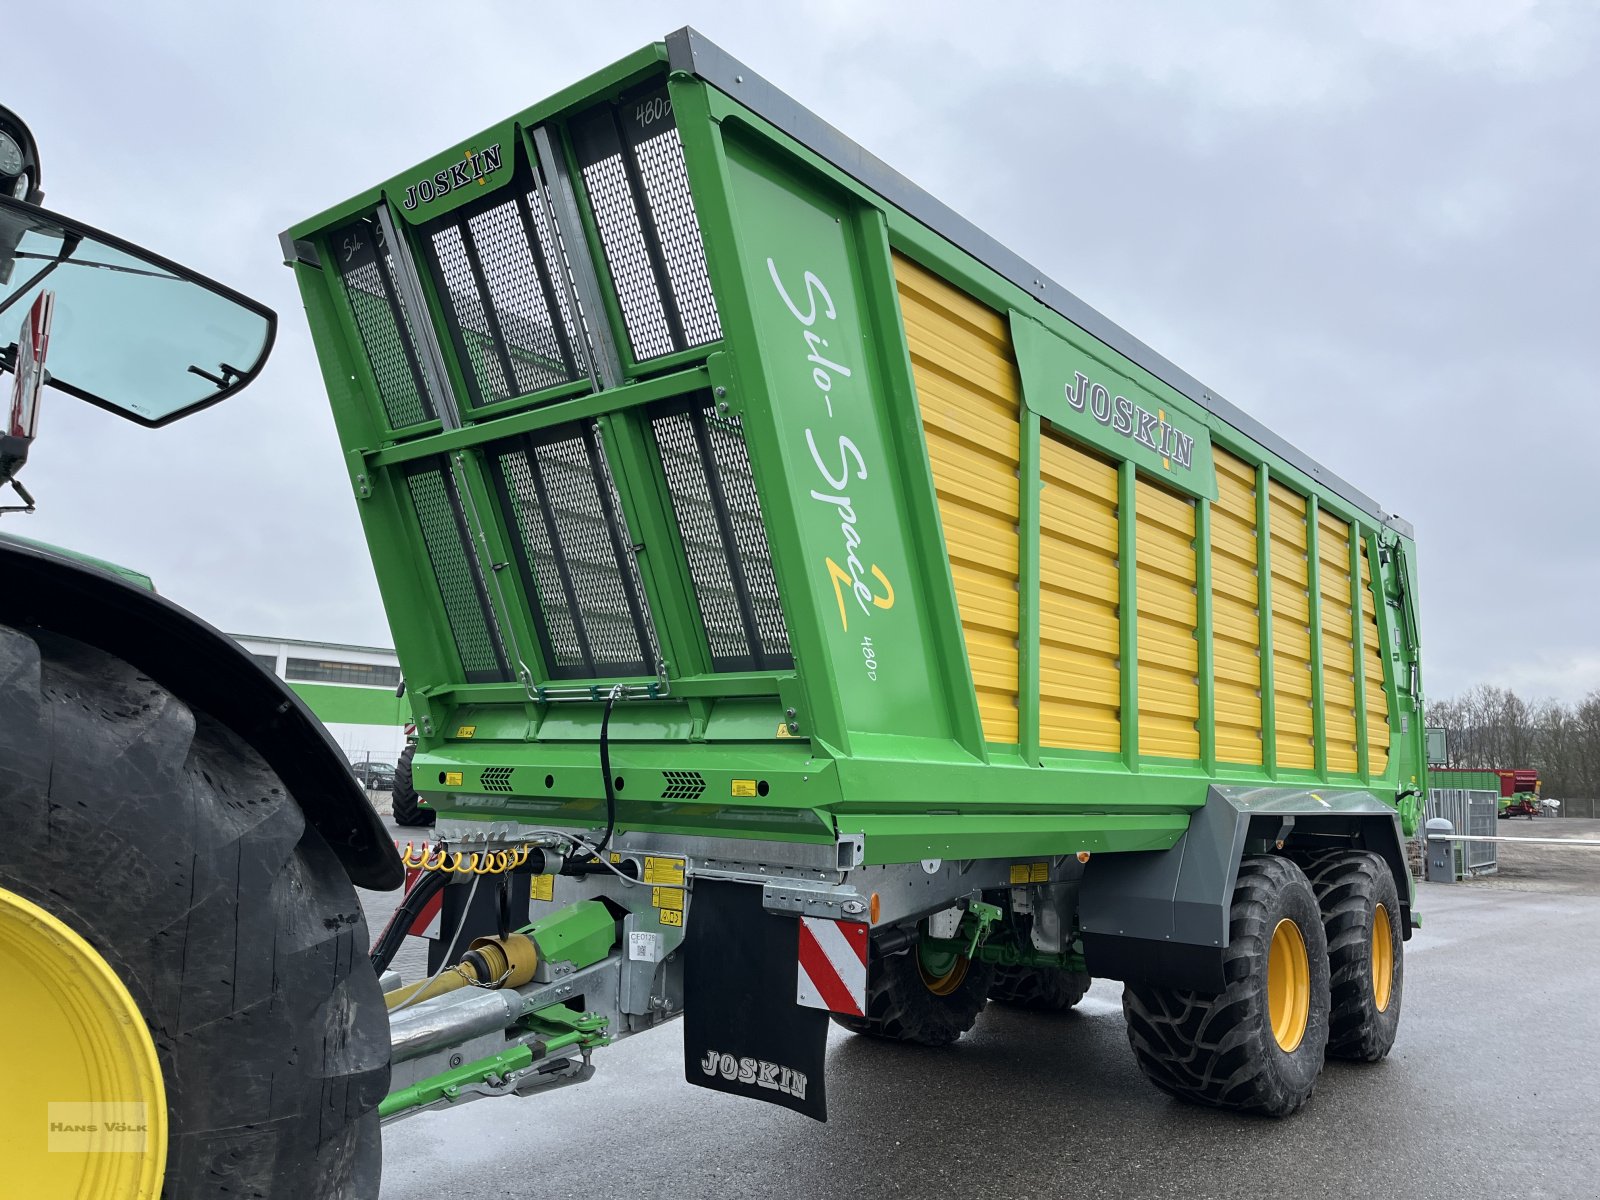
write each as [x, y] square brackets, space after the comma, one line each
[404, 803]
[1351, 889]
[902, 1007]
[174, 850]
[1220, 1050]
[1038, 989]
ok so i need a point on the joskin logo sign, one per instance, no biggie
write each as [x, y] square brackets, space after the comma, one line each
[455, 177]
[1094, 395]
[475, 167]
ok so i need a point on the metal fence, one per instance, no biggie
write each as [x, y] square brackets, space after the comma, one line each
[1473, 813]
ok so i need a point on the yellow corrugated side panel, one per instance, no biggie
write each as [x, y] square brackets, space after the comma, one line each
[970, 399]
[1291, 628]
[1338, 644]
[1236, 612]
[1169, 654]
[1079, 633]
[1378, 731]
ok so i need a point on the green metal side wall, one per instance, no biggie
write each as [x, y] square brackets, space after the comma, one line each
[335, 705]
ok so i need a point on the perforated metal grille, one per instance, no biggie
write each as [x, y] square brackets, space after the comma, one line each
[724, 537]
[368, 274]
[683, 785]
[553, 247]
[666, 185]
[633, 170]
[575, 553]
[502, 281]
[461, 586]
[497, 779]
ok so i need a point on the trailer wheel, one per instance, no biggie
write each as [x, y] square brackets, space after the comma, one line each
[1258, 1045]
[1038, 989]
[403, 800]
[931, 1004]
[184, 942]
[1366, 953]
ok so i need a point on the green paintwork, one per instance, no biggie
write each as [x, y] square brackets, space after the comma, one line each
[876, 729]
[349, 705]
[581, 934]
[447, 1085]
[558, 1028]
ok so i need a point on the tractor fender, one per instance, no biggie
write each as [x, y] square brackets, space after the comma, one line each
[1161, 916]
[209, 671]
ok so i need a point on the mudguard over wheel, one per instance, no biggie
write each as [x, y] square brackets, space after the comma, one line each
[403, 801]
[908, 1002]
[174, 855]
[1366, 953]
[1258, 1045]
[1038, 989]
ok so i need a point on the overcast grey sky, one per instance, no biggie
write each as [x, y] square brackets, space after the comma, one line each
[1372, 225]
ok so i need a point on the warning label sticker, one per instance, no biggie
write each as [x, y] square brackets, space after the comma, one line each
[1038, 872]
[671, 916]
[544, 887]
[666, 897]
[663, 872]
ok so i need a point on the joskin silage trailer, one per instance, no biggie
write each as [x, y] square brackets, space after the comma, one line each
[809, 608]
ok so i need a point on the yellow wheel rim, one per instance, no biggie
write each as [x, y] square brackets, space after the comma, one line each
[1288, 985]
[1382, 958]
[85, 1103]
[943, 985]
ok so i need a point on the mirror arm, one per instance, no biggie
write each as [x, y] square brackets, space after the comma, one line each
[69, 244]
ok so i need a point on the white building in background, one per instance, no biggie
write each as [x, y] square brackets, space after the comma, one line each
[350, 688]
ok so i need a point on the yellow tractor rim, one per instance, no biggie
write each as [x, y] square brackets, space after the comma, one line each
[1288, 985]
[1382, 958]
[85, 1104]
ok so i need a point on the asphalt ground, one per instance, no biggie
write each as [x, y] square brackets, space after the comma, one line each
[1490, 1092]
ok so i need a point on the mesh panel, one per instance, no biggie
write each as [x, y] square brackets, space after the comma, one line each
[724, 538]
[554, 261]
[386, 334]
[749, 531]
[633, 170]
[466, 604]
[575, 554]
[666, 185]
[492, 263]
[632, 272]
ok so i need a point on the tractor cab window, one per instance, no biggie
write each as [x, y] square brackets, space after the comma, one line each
[131, 332]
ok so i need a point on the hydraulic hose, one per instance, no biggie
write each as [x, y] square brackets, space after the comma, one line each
[406, 912]
[605, 770]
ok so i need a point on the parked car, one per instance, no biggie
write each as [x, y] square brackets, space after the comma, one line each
[375, 776]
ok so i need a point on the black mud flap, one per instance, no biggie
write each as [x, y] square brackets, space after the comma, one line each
[743, 1032]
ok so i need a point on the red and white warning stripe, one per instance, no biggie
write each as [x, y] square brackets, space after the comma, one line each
[833, 965]
[427, 922]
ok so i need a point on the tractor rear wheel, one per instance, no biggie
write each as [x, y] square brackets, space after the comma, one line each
[1366, 953]
[1258, 1045]
[1038, 989]
[403, 800]
[191, 954]
[931, 1004]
